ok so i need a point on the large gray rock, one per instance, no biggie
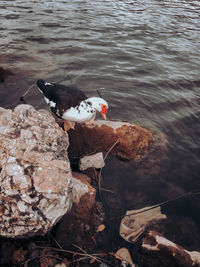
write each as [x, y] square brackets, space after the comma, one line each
[35, 177]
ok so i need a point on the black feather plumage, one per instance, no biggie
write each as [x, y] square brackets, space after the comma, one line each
[63, 96]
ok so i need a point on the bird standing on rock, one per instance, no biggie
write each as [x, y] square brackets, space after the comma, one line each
[71, 104]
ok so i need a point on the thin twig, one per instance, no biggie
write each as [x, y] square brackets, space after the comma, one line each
[99, 184]
[160, 204]
[99, 92]
[80, 259]
[111, 148]
[62, 250]
[22, 97]
[95, 257]
[83, 255]
[68, 251]
[104, 189]
[55, 241]
[92, 256]
[89, 255]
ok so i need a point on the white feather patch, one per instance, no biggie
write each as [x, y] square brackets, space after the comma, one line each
[48, 84]
[80, 114]
[50, 103]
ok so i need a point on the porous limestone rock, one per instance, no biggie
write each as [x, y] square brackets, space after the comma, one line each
[35, 177]
[131, 141]
[158, 250]
[92, 161]
[136, 221]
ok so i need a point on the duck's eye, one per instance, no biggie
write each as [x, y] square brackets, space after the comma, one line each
[104, 108]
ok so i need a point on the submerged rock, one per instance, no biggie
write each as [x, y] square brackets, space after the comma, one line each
[136, 221]
[158, 250]
[35, 173]
[131, 141]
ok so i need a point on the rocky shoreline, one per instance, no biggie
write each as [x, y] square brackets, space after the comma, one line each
[48, 196]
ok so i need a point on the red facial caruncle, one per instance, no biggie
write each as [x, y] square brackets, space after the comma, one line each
[103, 110]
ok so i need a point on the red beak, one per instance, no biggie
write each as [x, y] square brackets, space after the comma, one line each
[103, 111]
[104, 115]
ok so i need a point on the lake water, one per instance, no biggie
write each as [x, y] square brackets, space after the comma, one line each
[146, 56]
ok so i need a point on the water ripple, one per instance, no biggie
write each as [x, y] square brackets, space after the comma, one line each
[145, 53]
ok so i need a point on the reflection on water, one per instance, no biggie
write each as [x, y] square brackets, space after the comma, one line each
[144, 53]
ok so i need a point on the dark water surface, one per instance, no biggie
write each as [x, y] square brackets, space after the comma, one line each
[146, 56]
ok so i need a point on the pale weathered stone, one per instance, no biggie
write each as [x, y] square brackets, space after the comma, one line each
[35, 173]
[168, 252]
[60, 265]
[92, 161]
[136, 221]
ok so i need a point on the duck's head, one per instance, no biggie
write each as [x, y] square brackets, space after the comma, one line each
[99, 104]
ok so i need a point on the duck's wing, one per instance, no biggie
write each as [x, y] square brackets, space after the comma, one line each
[60, 97]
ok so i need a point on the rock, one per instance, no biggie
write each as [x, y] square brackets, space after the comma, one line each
[35, 173]
[100, 136]
[125, 257]
[75, 226]
[135, 223]
[92, 161]
[83, 194]
[159, 251]
[60, 265]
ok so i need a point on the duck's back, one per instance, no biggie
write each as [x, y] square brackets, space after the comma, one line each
[60, 97]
